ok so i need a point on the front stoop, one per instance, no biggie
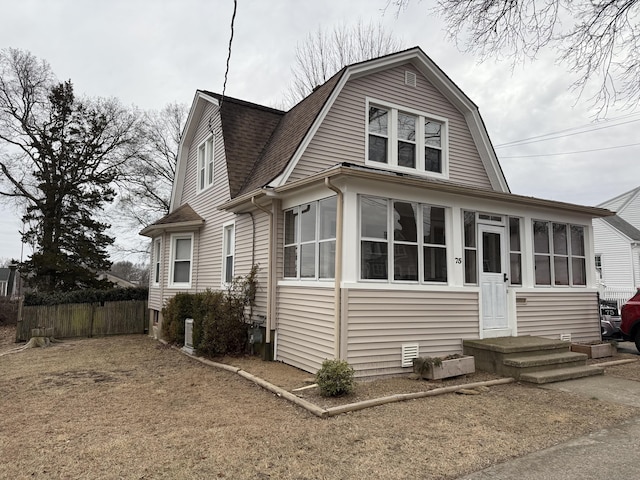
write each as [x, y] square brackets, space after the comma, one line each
[529, 359]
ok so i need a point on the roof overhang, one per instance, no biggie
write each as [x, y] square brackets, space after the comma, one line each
[154, 230]
[347, 171]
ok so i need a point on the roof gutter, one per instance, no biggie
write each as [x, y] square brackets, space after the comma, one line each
[152, 230]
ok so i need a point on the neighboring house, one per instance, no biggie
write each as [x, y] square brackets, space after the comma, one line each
[9, 282]
[118, 282]
[617, 247]
[380, 219]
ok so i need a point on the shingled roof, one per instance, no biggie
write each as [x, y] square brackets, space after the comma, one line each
[246, 128]
[624, 227]
[181, 216]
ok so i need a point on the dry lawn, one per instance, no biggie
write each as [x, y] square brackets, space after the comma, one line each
[127, 407]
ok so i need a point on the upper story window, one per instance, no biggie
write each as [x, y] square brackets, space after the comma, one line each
[416, 250]
[228, 250]
[406, 140]
[205, 164]
[559, 254]
[181, 259]
[310, 240]
[157, 249]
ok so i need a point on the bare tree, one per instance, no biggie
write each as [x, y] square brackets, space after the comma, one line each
[325, 51]
[596, 39]
[146, 188]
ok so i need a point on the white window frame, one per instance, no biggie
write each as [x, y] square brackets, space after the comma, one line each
[3, 288]
[316, 242]
[570, 255]
[157, 262]
[172, 256]
[206, 171]
[228, 251]
[421, 244]
[392, 140]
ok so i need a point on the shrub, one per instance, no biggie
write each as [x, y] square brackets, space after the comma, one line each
[335, 378]
[219, 325]
[8, 311]
[87, 296]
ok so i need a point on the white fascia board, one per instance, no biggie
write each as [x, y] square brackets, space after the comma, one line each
[487, 153]
[200, 100]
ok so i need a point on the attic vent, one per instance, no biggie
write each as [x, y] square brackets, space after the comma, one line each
[410, 78]
[409, 352]
[565, 337]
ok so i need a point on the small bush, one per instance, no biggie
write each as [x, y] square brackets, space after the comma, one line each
[8, 311]
[335, 378]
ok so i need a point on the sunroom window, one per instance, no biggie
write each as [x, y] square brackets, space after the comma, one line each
[559, 254]
[406, 140]
[310, 240]
[415, 252]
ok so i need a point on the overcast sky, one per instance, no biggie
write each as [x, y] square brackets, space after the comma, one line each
[152, 52]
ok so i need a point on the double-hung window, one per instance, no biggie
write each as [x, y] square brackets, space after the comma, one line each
[228, 248]
[181, 259]
[559, 254]
[415, 251]
[205, 164]
[406, 140]
[157, 249]
[310, 240]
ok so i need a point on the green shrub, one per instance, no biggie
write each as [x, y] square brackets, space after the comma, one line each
[87, 296]
[219, 325]
[335, 378]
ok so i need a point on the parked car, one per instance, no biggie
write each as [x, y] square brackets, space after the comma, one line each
[630, 325]
[610, 320]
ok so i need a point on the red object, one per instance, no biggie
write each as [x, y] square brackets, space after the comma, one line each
[630, 325]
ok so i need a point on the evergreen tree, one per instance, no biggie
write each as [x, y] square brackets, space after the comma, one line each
[61, 159]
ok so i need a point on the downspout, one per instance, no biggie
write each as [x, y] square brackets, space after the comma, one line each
[337, 305]
[271, 274]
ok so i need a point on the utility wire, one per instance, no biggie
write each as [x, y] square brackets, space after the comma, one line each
[572, 153]
[540, 138]
[226, 73]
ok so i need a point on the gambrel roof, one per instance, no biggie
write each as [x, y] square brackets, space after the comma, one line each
[263, 145]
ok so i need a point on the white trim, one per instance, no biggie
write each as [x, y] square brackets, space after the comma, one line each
[392, 140]
[225, 227]
[205, 158]
[174, 237]
[157, 262]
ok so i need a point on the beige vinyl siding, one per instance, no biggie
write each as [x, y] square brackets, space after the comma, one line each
[552, 313]
[380, 321]
[341, 137]
[248, 252]
[305, 326]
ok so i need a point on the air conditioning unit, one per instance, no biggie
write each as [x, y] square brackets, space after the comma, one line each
[188, 336]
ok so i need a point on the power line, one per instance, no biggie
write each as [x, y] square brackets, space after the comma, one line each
[540, 138]
[573, 153]
[226, 73]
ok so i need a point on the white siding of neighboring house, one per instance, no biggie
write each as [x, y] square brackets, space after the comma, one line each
[552, 313]
[305, 326]
[380, 321]
[342, 135]
[615, 251]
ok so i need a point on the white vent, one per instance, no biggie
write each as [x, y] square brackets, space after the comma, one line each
[188, 335]
[410, 78]
[565, 337]
[409, 352]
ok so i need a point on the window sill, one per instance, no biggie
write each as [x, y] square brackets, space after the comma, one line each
[407, 171]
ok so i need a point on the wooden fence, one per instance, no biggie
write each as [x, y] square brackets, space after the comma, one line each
[84, 319]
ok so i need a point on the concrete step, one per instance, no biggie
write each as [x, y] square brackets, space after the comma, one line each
[547, 361]
[561, 374]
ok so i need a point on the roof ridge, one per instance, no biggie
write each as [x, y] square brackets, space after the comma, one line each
[242, 102]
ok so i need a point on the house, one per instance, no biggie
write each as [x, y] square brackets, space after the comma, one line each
[617, 247]
[9, 282]
[380, 219]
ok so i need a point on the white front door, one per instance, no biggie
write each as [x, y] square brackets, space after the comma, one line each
[493, 281]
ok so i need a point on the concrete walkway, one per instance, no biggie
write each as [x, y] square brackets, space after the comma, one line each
[609, 453]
